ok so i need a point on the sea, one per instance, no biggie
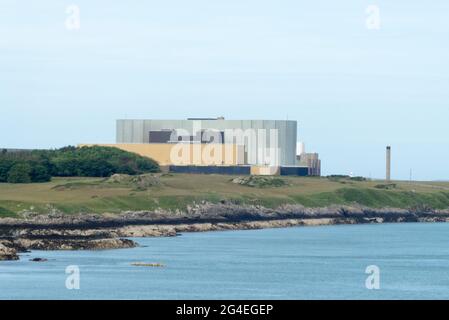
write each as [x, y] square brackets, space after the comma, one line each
[375, 261]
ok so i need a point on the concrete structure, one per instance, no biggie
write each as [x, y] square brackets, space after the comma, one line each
[216, 145]
[311, 161]
[167, 154]
[259, 137]
[233, 170]
[265, 171]
[388, 173]
[300, 148]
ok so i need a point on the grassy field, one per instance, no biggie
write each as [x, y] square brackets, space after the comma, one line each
[176, 191]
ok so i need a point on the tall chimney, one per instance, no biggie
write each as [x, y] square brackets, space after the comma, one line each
[388, 176]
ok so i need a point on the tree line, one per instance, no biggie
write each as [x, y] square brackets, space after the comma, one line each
[42, 165]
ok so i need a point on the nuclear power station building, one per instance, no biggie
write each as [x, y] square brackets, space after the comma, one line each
[217, 145]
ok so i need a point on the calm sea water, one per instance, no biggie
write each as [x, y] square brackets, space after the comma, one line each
[295, 263]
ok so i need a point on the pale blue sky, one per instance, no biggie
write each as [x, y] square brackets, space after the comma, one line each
[352, 90]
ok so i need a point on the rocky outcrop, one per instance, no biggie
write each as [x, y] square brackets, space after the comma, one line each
[260, 182]
[10, 248]
[38, 260]
[100, 232]
[8, 253]
[74, 244]
[95, 225]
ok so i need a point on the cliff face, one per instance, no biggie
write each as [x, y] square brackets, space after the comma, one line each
[97, 232]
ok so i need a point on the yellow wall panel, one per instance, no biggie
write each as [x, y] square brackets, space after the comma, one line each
[185, 154]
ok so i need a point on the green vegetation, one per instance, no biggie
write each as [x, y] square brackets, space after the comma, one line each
[377, 199]
[6, 213]
[19, 173]
[120, 193]
[343, 178]
[260, 182]
[138, 183]
[41, 165]
[387, 186]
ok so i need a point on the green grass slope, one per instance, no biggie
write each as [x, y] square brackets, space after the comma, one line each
[177, 191]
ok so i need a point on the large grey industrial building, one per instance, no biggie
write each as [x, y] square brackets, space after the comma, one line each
[217, 145]
[152, 131]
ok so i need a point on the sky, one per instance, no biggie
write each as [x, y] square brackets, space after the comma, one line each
[356, 80]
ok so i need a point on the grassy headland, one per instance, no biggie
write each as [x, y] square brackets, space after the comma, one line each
[177, 191]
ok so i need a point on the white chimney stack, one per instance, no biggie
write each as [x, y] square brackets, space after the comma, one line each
[388, 174]
[300, 148]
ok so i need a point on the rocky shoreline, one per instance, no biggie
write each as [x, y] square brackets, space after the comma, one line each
[107, 231]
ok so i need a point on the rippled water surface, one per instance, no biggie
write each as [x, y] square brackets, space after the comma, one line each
[294, 263]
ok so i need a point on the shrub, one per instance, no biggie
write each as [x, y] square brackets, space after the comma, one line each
[65, 167]
[126, 169]
[39, 173]
[339, 177]
[359, 179]
[260, 182]
[96, 168]
[388, 186]
[71, 161]
[100, 162]
[20, 173]
[5, 166]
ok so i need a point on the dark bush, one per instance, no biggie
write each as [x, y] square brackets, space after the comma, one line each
[99, 162]
[20, 173]
[5, 166]
[387, 186]
[359, 179]
[97, 167]
[339, 177]
[65, 167]
[39, 173]
[71, 161]
[126, 169]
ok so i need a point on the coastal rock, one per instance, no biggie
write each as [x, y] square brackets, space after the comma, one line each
[56, 231]
[146, 264]
[139, 182]
[76, 244]
[260, 181]
[146, 231]
[38, 260]
[7, 253]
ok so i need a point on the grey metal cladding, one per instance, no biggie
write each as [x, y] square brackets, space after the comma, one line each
[137, 131]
